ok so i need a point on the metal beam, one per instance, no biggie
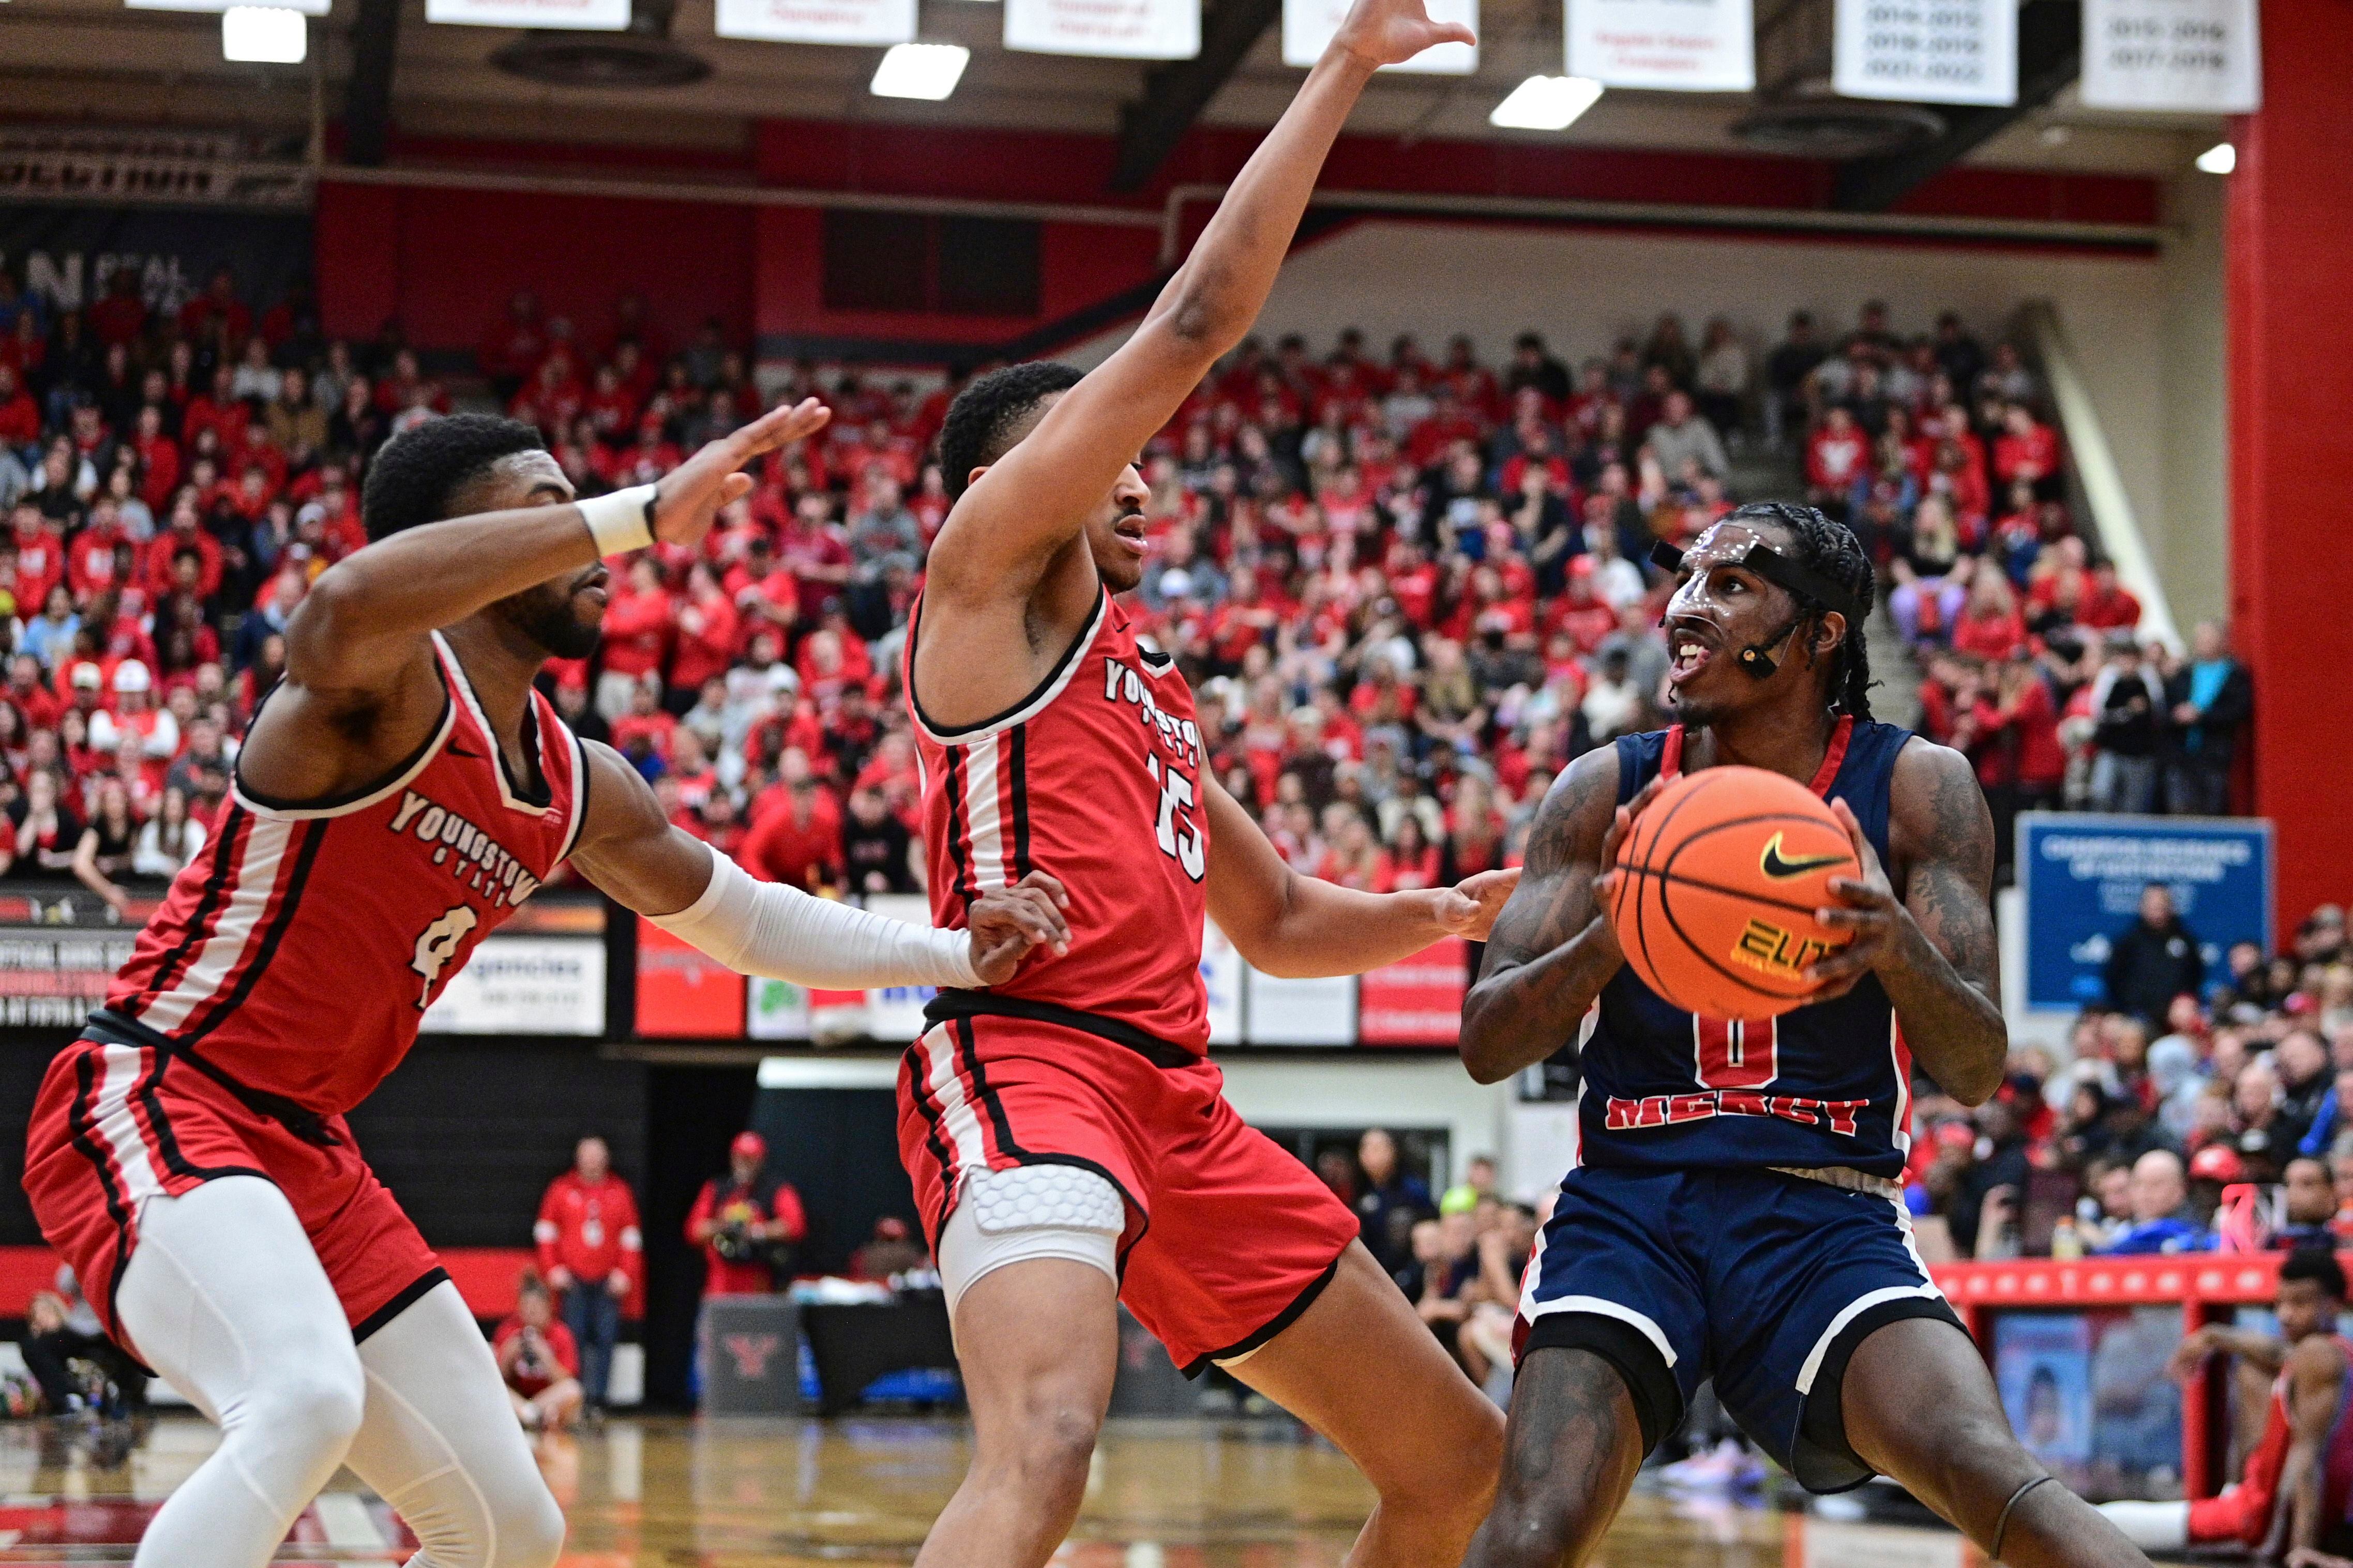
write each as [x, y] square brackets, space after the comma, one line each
[1174, 95]
[2049, 54]
[367, 106]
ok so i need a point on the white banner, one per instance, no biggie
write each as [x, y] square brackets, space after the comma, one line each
[524, 986]
[1285, 1011]
[1222, 982]
[867, 22]
[1308, 27]
[1119, 29]
[1686, 45]
[570, 15]
[895, 1015]
[2203, 56]
[776, 1010]
[1927, 51]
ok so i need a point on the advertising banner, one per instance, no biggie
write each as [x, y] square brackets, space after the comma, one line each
[1677, 45]
[2199, 55]
[1118, 29]
[2080, 878]
[524, 986]
[1417, 1001]
[67, 253]
[58, 953]
[1222, 978]
[681, 994]
[1284, 1012]
[1926, 51]
[1308, 27]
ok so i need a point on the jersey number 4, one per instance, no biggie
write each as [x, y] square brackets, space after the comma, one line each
[438, 943]
[1736, 1053]
[1179, 839]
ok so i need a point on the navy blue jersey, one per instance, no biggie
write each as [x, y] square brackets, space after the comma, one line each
[1826, 1084]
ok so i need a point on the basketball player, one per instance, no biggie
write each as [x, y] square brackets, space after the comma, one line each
[400, 792]
[2293, 1496]
[1735, 1211]
[1067, 1138]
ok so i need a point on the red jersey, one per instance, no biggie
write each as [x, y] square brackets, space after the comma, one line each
[297, 952]
[1095, 779]
[591, 1230]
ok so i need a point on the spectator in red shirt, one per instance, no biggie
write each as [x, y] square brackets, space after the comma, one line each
[513, 347]
[217, 302]
[20, 417]
[643, 733]
[2026, 449]
[2106, 604]
[591, 1253]
[637, 629]
[122, 316]
[795, 836]
[708, 633]
[539, 1361]
[743, 1222]
[1835, 460]
[1991, 625]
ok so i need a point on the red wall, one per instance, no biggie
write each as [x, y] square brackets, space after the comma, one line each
[445, 261]
[2291, 366]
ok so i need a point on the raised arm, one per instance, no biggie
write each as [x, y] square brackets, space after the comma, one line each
[631, 851]
[1553, 949]
[1933, 947]
[1297, 926]
[998, 541]
[366, 617]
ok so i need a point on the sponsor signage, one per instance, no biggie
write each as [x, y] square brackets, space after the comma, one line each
[1417, 1001]
[1679, 46]
[2080, 878]
[1117, 30]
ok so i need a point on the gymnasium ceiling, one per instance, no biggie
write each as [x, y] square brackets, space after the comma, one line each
[96, 62]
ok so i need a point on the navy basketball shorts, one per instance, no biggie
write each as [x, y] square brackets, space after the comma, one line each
[1764, 1281]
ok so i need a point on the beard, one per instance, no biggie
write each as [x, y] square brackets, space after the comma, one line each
[545, 616]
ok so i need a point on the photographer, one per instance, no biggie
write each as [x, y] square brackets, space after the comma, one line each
[746, 1225]
[539, 1361]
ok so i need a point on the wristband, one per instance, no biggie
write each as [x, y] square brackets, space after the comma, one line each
[620, 522]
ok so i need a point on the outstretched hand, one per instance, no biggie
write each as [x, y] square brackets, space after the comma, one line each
[689, 497]
[1009, 923]
[1391, 32]
[1883, 928]
[1469, 907]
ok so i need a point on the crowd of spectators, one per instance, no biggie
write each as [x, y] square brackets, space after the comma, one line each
[1409, 589]
[2205, 1106]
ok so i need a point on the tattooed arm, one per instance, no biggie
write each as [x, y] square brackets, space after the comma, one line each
[1552, 949]
[1932, 946]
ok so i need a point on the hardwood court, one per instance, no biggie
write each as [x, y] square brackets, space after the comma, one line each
[665, 1493]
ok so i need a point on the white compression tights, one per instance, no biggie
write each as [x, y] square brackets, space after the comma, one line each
[225, 1298]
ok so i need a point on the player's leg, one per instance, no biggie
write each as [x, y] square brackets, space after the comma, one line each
[440, 1443]
[225, 1299]
[1428, 1441]
[1571, 1454]
[1920, 1406]
[1038, 1340]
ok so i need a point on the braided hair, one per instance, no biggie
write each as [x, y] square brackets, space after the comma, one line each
[1831, 549]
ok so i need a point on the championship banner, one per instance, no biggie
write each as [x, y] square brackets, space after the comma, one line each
[1114, 30]
[1926, 51]
[2080, 878]
[564, 15]
[2201, 56]
[1678, 46]
[867, 22]
[1308, 27]
[1416, 1001]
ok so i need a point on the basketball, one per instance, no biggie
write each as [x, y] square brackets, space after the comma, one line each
[1718, 882]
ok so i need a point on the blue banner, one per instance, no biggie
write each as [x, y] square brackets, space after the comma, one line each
[2082, 877]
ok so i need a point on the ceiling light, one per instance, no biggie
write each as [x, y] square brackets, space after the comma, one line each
[1546, 103]
[2218, 159]
[920, 70]
[264, 35]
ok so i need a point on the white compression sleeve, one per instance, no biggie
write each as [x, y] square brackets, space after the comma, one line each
[766, 928]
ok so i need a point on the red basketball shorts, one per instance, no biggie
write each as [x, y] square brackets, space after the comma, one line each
[115, 1125]
[1228, 1238]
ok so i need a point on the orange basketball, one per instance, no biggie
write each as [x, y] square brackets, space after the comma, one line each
[1717, 885]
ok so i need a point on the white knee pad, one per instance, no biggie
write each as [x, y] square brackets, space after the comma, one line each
[1030, 1211]
[2151, 1526]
